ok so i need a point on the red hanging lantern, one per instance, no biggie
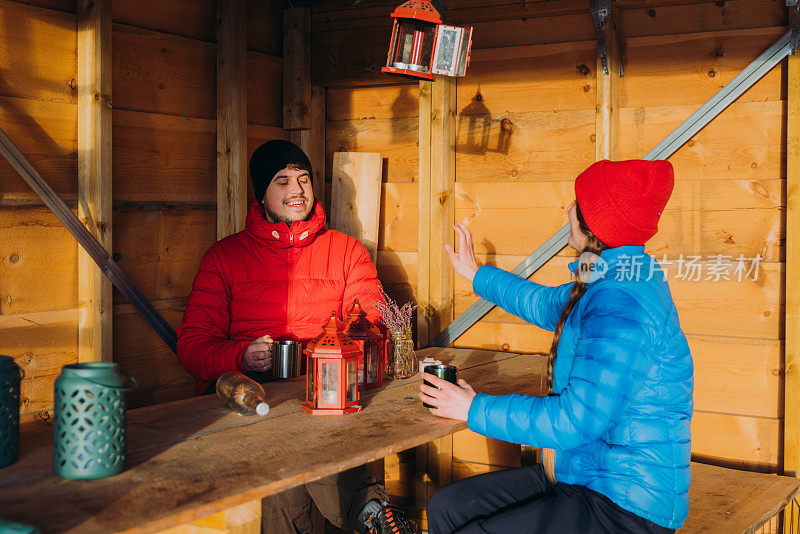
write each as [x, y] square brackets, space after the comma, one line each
[372, 343]
[332, 377]
[422, 46]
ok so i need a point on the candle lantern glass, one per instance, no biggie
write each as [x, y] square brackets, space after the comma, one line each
[414, 49]
[371, 341]
[332, 378]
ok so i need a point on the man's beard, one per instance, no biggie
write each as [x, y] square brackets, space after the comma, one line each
[271, 215]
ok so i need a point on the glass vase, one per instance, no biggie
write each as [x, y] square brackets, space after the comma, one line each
[403, 361]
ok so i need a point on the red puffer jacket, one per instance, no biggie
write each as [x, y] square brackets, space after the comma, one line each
[271, 279]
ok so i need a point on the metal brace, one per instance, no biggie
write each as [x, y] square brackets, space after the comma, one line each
[796, 26]
[601, 13]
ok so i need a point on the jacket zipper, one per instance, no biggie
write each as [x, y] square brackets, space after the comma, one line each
[289, 281]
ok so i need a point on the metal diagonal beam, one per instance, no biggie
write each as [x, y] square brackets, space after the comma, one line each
[668, 146]
[92, 246]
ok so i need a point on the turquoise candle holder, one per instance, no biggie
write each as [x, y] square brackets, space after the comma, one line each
[9, 411]
[89, 423]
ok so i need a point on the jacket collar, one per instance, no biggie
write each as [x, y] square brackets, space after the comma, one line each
[299, 234]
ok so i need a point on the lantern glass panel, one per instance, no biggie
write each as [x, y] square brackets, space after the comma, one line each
[352, 383]
[310, 379]
[329, 386]
[461, 65]
[411, 48]
[451, 52]
[446, 48]
[393, 45]
[372, 357]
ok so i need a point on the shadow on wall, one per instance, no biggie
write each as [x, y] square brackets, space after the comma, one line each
[479, 133]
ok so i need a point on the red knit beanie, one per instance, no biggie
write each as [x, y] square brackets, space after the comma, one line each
[621, 201]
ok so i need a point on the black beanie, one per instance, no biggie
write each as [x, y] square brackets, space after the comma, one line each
[270, 158]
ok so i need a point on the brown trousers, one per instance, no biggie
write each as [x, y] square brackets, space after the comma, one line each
[340, 498]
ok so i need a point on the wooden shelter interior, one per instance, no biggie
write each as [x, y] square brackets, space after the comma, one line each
[186, 89]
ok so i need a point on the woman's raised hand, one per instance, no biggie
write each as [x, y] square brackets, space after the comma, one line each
[464, 261]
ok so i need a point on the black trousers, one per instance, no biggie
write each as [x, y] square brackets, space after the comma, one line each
[523, 500]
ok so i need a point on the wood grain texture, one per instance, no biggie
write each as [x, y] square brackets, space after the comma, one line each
[424, 252]
[396, 139]
[142, 354]
[242, 519]
[372, 102]
[265, 26]
[312, 141]
[759, 147]
[39, 265]
[531, 78]
[751, 443]
[160, 73]
[356, 196]
[749, 501]
[95, 341]
[47, 133]
[39, 61]
[649, 18]
[163, 158]
[194, 19]
[231, 117]
[708, 61]
[706, 217]
[608, 92]
[528, 146]
[40, 343]
[160, 246]
[399, 213]
[264, 85]
[296, 68]
[442, 204]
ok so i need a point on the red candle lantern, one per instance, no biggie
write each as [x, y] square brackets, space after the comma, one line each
[332, 377]
[372, 343]
[422, 46]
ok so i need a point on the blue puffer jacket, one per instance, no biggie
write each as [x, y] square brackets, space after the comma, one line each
[622, 381]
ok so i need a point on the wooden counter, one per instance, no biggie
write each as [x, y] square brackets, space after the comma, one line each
[191, 458]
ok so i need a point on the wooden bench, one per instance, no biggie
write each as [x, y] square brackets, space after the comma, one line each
[725, 501]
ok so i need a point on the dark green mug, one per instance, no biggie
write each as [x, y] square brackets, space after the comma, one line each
[445, 372]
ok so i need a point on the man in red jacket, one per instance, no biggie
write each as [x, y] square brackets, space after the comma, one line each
[281, 278]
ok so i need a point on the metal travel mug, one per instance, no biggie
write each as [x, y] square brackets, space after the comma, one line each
[445, 372]
[287, 357]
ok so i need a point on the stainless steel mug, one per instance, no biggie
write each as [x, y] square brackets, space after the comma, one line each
[287, 357]
[445, 372]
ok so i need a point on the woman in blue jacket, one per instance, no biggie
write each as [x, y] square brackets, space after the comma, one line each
[620, 372]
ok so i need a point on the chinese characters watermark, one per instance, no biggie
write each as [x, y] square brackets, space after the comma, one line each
[686, 267]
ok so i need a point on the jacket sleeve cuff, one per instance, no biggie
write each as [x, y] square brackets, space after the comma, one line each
[476, 417]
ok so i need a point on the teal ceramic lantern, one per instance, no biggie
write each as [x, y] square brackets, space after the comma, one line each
[9, 411]
[12, 527]
[89, 422]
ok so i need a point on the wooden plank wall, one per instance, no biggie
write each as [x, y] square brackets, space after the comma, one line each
[164, 180]
[531, 87]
